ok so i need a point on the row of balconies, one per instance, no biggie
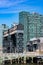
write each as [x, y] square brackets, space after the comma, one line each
[10, 30]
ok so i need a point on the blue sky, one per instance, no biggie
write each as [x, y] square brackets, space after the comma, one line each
[9, 9]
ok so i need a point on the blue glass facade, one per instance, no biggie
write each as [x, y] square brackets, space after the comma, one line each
[33, 25]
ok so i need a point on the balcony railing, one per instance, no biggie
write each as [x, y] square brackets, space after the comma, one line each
[10, 30]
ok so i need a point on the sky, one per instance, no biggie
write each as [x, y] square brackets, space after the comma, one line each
[9, 9]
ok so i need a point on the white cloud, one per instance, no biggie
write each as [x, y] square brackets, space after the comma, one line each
[9, 3]
[18, 9]
[14, 6]
[10, 6]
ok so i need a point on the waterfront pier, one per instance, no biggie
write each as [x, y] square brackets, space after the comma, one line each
[32, 57]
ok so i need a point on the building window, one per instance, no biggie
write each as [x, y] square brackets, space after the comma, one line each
[35, 47]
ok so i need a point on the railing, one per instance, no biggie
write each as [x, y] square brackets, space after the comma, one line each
[32, 54]
[10, 30]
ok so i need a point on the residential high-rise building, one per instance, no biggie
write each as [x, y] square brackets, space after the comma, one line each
[33, 25]
[13, 39]
[3, 27]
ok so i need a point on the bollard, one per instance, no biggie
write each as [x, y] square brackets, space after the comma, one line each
[11, 61]
[24, 60]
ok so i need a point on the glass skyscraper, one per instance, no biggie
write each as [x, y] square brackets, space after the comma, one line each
[33, 25]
